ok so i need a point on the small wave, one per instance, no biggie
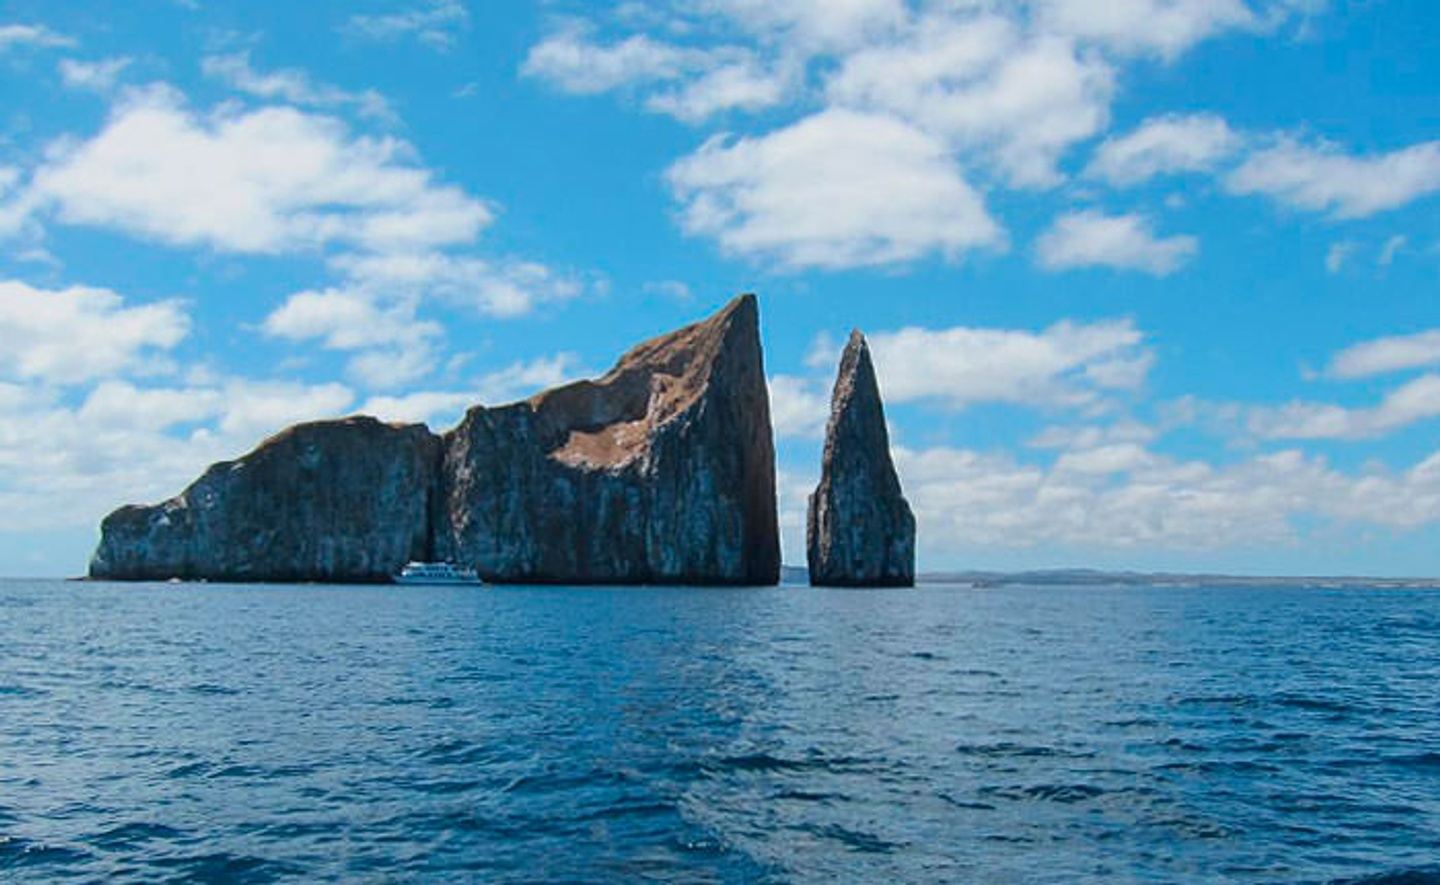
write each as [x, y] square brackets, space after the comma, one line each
[1007, 749]
[1066, 794]
[226, 867]
[17, 853]
[855, 840]
[1320, 705]
[210, 688]
[133, 834]
[1414, 876]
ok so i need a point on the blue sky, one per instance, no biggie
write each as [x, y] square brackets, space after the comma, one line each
[1150, 283]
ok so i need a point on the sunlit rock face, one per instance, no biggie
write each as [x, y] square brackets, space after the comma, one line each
[328, 501]
[661, 471]
[860, 532]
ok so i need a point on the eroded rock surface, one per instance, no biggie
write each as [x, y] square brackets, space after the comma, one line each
[336, 501]
[661, 471]
[860, 532]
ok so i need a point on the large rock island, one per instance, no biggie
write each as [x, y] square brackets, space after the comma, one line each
[860, 532]
[661, 471]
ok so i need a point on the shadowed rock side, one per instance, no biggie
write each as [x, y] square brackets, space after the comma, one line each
[328, 501]
[860, 532]
[661, 471]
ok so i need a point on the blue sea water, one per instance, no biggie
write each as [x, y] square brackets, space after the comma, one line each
[227, 733]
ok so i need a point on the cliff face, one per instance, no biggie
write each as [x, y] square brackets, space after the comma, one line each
[861, 532]
[328, 501]
[661, 471]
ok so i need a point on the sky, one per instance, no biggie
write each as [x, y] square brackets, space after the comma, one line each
[1150, 284]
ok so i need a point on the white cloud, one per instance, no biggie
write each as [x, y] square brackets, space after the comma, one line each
[77, 334]
[97, 76]
[31, 35]
[421, 407]
[292, 85]
[1417, 400]
[525, 378]
[814, 25]
[270, 181]
[1127, 498]
[569, 60]
[345, 321]
[63, 466]
[1322, 178]
[1162, 146]
[743, 85]
[1391, 248]
[1089, 238]
[505, 288]
[1066, 365]
[798, 407]
[697, 83]
[433, 22]
[1339, 253]
[516, 381]
[1390, 354]
[981, 84]
[838, 189]
[397, 348]
[1162, 27]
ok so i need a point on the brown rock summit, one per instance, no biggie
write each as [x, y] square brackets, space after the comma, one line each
[661, 471]
[860, 532]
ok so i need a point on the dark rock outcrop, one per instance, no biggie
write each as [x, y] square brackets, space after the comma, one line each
[861, 532]
[661, 471]
[328, 501]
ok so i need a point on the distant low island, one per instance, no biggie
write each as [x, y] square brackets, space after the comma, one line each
[662, 471]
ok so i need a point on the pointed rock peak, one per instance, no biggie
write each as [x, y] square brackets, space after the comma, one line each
[861, 531]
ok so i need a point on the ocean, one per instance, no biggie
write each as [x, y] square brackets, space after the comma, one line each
[280, 733]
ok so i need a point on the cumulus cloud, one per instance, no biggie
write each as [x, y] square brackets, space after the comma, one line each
[1090, 238]
[1417, 400]
[1066, 365]
[501, 288]
[78, 334]
[1162, 146]
[994, 93]
[68, 465]
[1124, 497]
[511, 383]
[1161, 27]
[435, 23]
[96, 76]
[1320, 177]
[271, 180]
[12, 35]
[799, 406]
[982, 84]
[838, 189]
[1390, 354]
[292, 85]
[397, 347]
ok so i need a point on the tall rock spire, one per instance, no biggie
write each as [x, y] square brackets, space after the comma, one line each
[861, 532]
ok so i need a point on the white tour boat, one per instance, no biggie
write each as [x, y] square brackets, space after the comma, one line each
[436, 573]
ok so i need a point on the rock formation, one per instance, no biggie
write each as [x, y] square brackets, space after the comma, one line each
[328, 501]
[661, 471]
[860, 531]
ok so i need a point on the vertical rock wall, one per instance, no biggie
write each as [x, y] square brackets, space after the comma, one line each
[860, 531]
